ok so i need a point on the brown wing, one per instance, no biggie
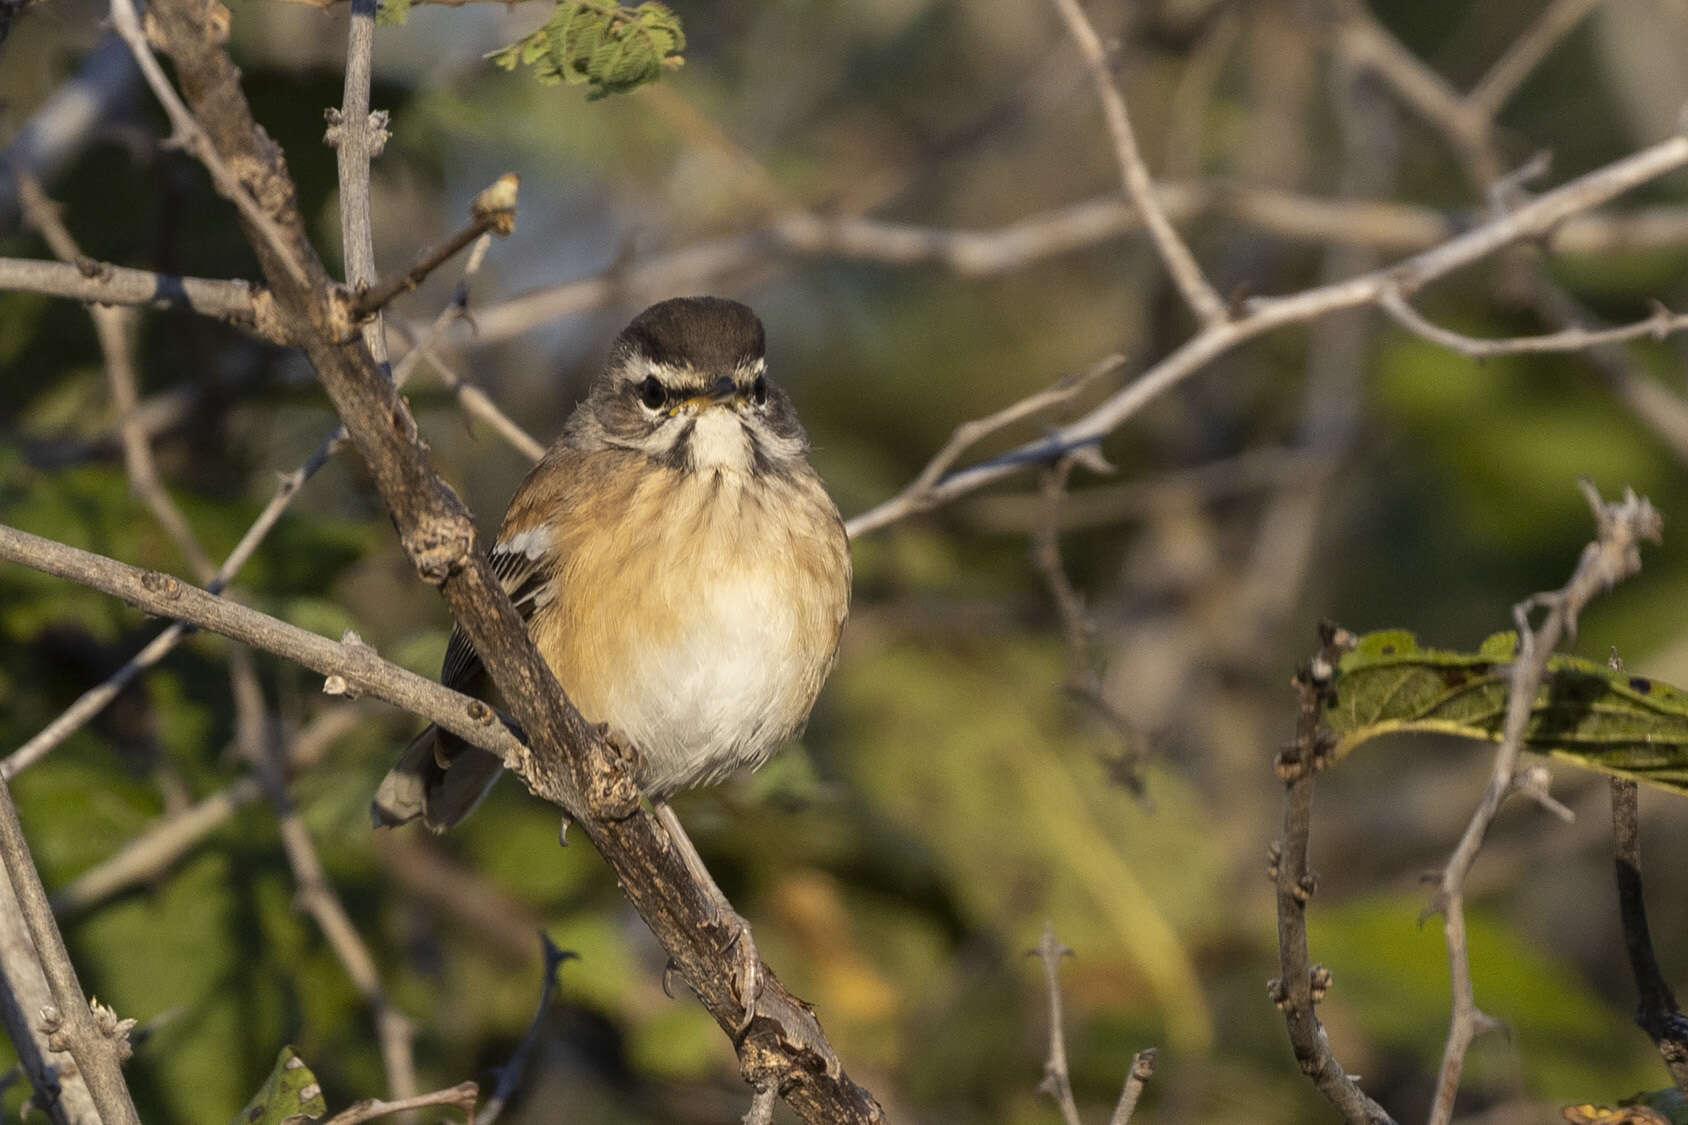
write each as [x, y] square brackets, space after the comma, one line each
[524, 575]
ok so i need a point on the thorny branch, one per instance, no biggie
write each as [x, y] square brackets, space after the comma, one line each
[1614, 555]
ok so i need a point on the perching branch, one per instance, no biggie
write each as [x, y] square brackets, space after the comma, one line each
[566, 760]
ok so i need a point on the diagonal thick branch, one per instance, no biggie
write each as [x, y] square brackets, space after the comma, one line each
[566, 759]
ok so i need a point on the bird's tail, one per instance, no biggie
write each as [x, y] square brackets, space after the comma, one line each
[439, 778]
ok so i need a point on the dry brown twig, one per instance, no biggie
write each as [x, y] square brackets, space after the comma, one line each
[1057, 1081]
[1614, 555]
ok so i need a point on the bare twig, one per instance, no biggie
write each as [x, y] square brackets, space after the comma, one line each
[1613, 556]
[97, 1041]
[357, 137]
[509, 1076]
[351, 660]
[493, 211]
[1656, 1012]
[266, 754]
[1386, 226]
[1662, 324]
[237, 302]
[1301, 984]
[1509, 72]
[1056, 1081]
[462, 1096]
[1139, 187]
[1142, 1069]
[1265, 314]
[920, 493]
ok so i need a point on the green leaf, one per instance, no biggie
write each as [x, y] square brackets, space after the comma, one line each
[599, 44]
[393, 13]
[1585, 712]
[290, 1094]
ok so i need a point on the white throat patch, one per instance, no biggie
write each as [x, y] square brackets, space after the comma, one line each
[720, 441]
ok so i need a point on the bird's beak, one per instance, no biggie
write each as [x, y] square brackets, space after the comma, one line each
[720, 392]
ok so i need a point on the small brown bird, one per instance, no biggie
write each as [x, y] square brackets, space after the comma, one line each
[680, 566]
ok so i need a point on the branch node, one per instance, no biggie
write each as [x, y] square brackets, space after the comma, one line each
[163, 585]
[440, 547]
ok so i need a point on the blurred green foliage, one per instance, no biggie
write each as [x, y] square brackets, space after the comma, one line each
[601, 45]
[948, 796]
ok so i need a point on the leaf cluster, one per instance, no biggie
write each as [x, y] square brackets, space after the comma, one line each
[599, 43]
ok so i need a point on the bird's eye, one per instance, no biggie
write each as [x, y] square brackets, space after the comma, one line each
[759, 391]
[652, 393]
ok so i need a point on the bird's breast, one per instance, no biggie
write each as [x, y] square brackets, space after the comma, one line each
[700, 617]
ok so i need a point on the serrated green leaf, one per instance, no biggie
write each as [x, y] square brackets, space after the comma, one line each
[1585, 712]
[289, 1095]
[393, 12]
